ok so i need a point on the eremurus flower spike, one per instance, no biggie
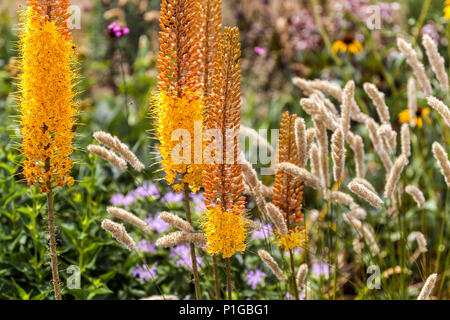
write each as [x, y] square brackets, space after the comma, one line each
[223, 222]
[178, 106]
[46, 100]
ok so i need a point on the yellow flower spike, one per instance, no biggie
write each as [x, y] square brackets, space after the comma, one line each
[46, 101]
[166, 111]
[225, 231]
[293, 239]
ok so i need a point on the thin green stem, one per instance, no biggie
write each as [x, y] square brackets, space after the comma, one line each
[423, 15]
[294, 284]
[227, 261]
[323, 33]
[193, 256]
[53, 254]
[216, 277]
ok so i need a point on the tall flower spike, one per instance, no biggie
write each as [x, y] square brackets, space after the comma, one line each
[288, 191]
[178, 107]
[224, 221]
[47, 95]
[211, 26]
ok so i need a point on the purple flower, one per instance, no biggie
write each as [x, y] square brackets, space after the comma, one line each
[157, 224]
[320, 269]
[254, 278]
[288, 296]
[183, 255]
[146, 190]
[144, 272]
[172, 197]
[259, 51]
[112, 25]
[146, 246]
[126, 30]
[265, 231]
[122, 200]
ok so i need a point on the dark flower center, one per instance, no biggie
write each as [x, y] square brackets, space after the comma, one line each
[348, 39]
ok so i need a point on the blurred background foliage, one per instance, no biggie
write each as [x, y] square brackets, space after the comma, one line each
[280, 39]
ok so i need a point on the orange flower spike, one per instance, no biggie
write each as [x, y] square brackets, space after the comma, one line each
[211, 26]
[288, 192]
[46, 98]
[224, 222]
[179, 103]
[179, 59]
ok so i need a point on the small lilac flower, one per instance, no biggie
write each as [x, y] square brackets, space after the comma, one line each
[259, 51]
[122, 200]
[126, 30]
[157, 224]
[144, 272]
[320, 269]
[288, 296]
[172, 197]
[146, 246]
[265, 232]
[254, 278]
[183, 255]
[146, 190]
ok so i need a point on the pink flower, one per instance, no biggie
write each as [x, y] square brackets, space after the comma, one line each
[259, 51]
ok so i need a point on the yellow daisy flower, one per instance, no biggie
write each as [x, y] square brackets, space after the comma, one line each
[421, 114]
[447, 9]
[347, 44]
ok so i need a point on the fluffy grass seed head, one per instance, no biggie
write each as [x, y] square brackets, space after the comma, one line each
[338, 154]
[119, 232]
[379, 102]
[442, 158]
[406, 140]
[46, 95]
[417, 195]
[394, 175]
[428, 287]
[272, 264]
[436, 60]
[417, 66]
[440, 107]
[412, 100]
[365, 193]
